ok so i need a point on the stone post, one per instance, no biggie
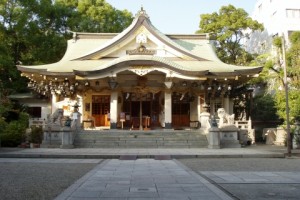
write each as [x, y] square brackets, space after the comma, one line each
[66, 139]
[214, 138]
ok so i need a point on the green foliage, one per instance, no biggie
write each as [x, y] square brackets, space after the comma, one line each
[264, 108]
[294, 104]
[295, 37]
[293, 75]
[35, 32]
[12, 128]
[293, 61]
[13, 135]
[262, 60]
[36, 134]
[228, 27]
[3, 125]
[96, 15]
[277, 42]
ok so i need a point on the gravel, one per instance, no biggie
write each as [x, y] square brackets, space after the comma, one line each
[40, 181]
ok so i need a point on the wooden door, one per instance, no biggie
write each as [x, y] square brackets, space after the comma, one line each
[100, 109]
[180, 112]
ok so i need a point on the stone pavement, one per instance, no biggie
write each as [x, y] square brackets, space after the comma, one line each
[256, 185]
[137, 174]
[222, 177]
[142, 179]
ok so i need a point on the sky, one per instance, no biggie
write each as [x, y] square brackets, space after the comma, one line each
[179, 16]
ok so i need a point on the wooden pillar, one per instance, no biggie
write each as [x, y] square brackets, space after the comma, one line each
[141, 114]
[53, 103]
[168, 110]
[227, 105]
[195, 109]
[113, 110]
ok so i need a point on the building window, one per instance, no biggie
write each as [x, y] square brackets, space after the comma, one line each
[35, 112]
[293, 13]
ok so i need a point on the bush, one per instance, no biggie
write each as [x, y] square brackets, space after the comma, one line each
[3, 125]
[264, 109]
[36, 134]
[13, 133]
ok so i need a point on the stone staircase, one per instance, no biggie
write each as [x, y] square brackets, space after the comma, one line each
[140, 139]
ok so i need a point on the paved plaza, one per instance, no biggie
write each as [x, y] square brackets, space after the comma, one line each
[258, 172]
[142, 179]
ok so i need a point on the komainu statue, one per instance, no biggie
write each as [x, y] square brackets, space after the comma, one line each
[56, 117]
[225, 118]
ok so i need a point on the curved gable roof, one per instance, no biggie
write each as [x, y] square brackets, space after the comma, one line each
[87, 54]
[140, 20]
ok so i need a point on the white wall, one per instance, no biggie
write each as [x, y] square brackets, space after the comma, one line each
[273, 15]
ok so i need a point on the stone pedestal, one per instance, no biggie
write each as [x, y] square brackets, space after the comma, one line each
[214, 138]
[270, 135]
[243, 136]
[57, 136]
[67, 140]
[280, 137]
[229, 137]
[52, 136]
[204, 120]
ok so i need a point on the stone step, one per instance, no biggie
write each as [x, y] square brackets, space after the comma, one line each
[140, 139]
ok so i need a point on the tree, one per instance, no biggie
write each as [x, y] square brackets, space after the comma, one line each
[11, 23]
[95, 16]
[275, 77]
[293, 74]
[228, 28]
[293, 60]
[35, 32]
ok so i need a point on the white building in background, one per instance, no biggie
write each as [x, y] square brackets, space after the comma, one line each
[278, 17]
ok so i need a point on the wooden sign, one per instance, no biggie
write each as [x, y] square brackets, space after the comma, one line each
[122, 116]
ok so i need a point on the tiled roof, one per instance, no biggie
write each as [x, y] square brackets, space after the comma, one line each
[84, 47]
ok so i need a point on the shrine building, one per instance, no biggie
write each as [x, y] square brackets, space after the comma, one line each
[139, 78]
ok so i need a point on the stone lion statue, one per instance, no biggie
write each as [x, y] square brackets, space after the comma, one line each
[225, 118]
[56, 117]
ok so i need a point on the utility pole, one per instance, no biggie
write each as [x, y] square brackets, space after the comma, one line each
[289, 141]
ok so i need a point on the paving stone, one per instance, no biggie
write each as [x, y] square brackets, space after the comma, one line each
[142, 181]
[84, 194]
